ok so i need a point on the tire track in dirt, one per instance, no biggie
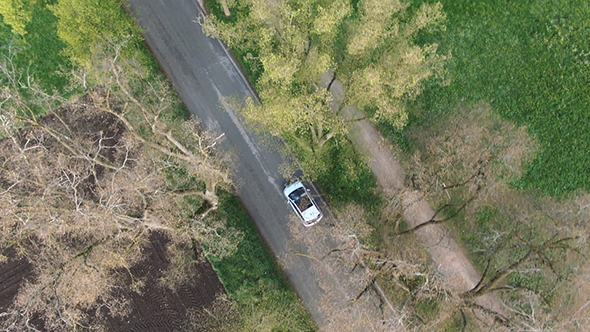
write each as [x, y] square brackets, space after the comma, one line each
[12, 273]
[161, 309]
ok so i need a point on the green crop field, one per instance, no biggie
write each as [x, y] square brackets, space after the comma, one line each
[531, 61]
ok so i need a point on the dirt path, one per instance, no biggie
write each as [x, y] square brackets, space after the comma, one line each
[456, 268]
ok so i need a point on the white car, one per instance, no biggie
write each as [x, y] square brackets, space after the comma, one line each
[302, 203]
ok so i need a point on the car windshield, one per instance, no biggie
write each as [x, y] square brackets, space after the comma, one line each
[297, 193]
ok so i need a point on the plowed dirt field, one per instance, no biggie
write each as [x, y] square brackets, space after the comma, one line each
[155, 308]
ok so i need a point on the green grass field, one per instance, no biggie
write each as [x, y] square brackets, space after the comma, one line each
[531, 61]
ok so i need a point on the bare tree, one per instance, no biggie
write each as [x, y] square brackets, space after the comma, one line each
[341, 246]
[527, 245]
[84, 181]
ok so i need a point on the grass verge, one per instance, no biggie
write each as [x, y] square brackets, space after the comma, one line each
[253, 279]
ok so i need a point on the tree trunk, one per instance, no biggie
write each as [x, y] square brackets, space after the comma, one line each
[225, 8]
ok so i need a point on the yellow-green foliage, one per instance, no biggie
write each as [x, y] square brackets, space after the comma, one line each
[17, 13]
[383, 66]
[374, 25]
[369, 46]
[327, 20]
[84, 24]
[281, 33]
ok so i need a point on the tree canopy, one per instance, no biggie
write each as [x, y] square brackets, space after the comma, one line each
[83, 24]
[289, 39]
[383, 67]
[369, 44]
[17, 13]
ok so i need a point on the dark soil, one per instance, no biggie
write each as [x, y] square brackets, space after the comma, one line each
[157, 309]
[12, 274]
[162, 309]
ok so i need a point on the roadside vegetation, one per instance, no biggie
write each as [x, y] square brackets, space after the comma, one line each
[500, 148]
[98, 153]
[285, 72]
[293, 50]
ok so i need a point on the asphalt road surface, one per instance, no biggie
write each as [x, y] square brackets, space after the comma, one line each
[203, 73]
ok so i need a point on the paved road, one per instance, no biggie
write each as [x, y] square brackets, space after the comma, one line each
[203, 73]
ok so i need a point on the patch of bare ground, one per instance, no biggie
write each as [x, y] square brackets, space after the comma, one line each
[156, 307]
[474, 150]
[13, 271]
[83, 199]
[153, 306]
